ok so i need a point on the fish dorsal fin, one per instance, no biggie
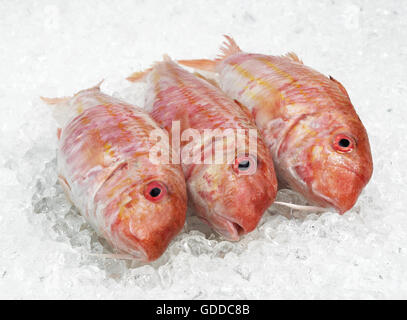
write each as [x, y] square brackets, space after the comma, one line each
[340, 86]
[97, 86]
[228, 48]
[293, 56]
[166, 57]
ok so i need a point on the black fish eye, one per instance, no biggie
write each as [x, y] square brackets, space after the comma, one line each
[244, 165]
[344, 143]
[155, 192]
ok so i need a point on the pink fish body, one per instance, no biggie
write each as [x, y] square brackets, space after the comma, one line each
[104, 167]
[231, 202]
[319, 145]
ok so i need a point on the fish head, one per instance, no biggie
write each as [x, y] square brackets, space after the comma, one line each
[146, 207]
[232, 197]
[334, 163]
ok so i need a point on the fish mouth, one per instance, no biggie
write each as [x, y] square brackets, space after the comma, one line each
[141, 253]
[346, 198]
[229, 229]
[132, 248]
[319, 193]
[137, 249]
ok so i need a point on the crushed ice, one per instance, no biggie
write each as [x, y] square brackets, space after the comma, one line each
[48, 250]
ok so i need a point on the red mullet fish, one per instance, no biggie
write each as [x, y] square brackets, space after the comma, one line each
[319, 145]
[224, 196]
[104, 167]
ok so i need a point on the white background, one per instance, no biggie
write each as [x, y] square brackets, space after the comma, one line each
[55, 48]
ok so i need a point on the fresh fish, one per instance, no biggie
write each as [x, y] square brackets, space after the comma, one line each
[104, 167]
[319, 145]
[223, 194]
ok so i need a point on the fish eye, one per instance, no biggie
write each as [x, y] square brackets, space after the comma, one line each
[343, 143]
[245, 164]
[155, 191]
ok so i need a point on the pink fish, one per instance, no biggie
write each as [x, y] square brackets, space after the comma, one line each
[319, 145]
[224, 196]
[104, 167]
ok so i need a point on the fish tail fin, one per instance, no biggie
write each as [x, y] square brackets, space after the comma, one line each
[60, 110]
[64, 100]
[228, 48]
[64, 108]
[55, 101]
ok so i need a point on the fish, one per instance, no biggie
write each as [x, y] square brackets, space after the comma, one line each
[103, 164]
[319, 145]
[223, 194]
